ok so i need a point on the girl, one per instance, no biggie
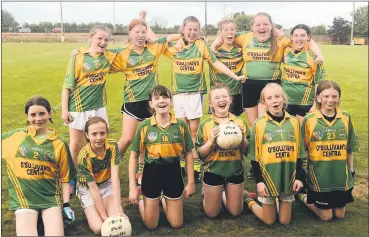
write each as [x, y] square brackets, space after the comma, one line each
[262, 56]
[223, 169]
[98, 175]
[37, 159]
[188, 80]
[276, 151]
[84, 94]
[163, 139]
[330, 140]
[300, 74]
[230, 55]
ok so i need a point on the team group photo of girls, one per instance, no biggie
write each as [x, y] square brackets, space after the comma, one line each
[249, 131]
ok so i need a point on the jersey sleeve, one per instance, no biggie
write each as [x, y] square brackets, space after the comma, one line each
[188, 143]
[84, 174]
[200, 139]
[285, 41]
[304, 134]
[319, 74]
[119, 63]
[139, 140]
[170, 51]
[70, 77]
[4, 136]
[67, 171]
[240, 37]
[116, 158]
[353, 139]
[161, 45]
[208, 55]
[301, 150]
[252, 150]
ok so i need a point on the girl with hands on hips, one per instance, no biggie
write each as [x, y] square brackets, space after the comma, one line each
[276, 153]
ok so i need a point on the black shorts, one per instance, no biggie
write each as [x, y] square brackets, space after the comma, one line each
[251, 90]
[236, 106]
[301, 110]
[139, 110]
[212, 179]
[329, 200]
[167, 178]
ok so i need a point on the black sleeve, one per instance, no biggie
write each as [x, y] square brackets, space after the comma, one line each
[299, 175]
[257, 171]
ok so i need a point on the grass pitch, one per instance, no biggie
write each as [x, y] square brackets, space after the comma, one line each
[34, 68]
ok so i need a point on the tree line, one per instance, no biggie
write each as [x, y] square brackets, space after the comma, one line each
[340, 29]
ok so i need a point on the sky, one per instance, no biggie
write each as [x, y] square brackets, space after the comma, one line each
[287, 14]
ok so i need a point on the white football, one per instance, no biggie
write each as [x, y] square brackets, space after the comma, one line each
[230, 136]
[116, 226]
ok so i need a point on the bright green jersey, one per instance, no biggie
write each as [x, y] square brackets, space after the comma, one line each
[162, 145]
[258, 64]
[188, 67]
[276, 147]
[233, 60]
[223, 162]
[300, 75]
[86, 77]
[35, 168]
[140, 68]
[327, 144]
[93, 168]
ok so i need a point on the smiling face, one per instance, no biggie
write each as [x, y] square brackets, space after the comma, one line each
[228, 33]
[138, 35]
[220, 101]
[328, 99]
[273, 100]
[160, 103]
[38, 117]
[262, 28]
[300, 38]
[97, 134]
[191, 31]
[99, 41]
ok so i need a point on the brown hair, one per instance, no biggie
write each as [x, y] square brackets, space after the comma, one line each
[189, 19]
[273, 48]
[216, 87]
[94, 120]
[159, 90]
[41, 101]
[274, 86]
[133, 23]
[326, 84]
[226, 21]
[99, 27]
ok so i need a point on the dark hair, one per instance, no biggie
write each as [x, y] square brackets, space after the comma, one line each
[159, 90]
[303, 27]
[94, 120]
[273, 48]
[326, 84]
[41, 101]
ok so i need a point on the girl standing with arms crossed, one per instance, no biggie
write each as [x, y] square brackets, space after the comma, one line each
[300, 74]
[276, 153]
[330, 139]
[98, 175]
[37, 161]
[223, 169]
[188, 80]
[162, 139]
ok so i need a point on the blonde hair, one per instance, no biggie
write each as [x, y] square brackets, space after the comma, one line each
[273, 48]
[326, 84]
[189, 19]
[94, 30]
[224, 22]
[275, 87]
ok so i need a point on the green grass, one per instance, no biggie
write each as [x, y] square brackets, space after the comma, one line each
[34, 68]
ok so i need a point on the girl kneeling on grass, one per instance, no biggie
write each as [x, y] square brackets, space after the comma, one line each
[37, 160]
[330, 139]
[98, 175]
[276, 153]
[163, 139]
[223, 170]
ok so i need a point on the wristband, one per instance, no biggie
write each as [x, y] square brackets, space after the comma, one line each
[66, 204]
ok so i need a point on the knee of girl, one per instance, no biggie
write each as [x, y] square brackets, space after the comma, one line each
[125, 142]
[76, 146]
[285, 221]
[326, 217]
[235, 213]
[211, 214]
[269, 221]
[96, 230]
[151, 226]
[176, 225]
[339, 215]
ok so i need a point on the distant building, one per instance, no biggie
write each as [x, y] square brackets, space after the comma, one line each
[163, 23]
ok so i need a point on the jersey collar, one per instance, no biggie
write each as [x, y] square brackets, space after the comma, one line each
[92, 153]
[31, 131]
[231, 117]
[173, 120]
[286, 116]
[319, 114]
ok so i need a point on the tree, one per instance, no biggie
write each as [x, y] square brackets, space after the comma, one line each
[8, 21]
[211, 30]
[278, 26]
[361, 21]
[340, 30]
[243, 21]
[319, 30]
